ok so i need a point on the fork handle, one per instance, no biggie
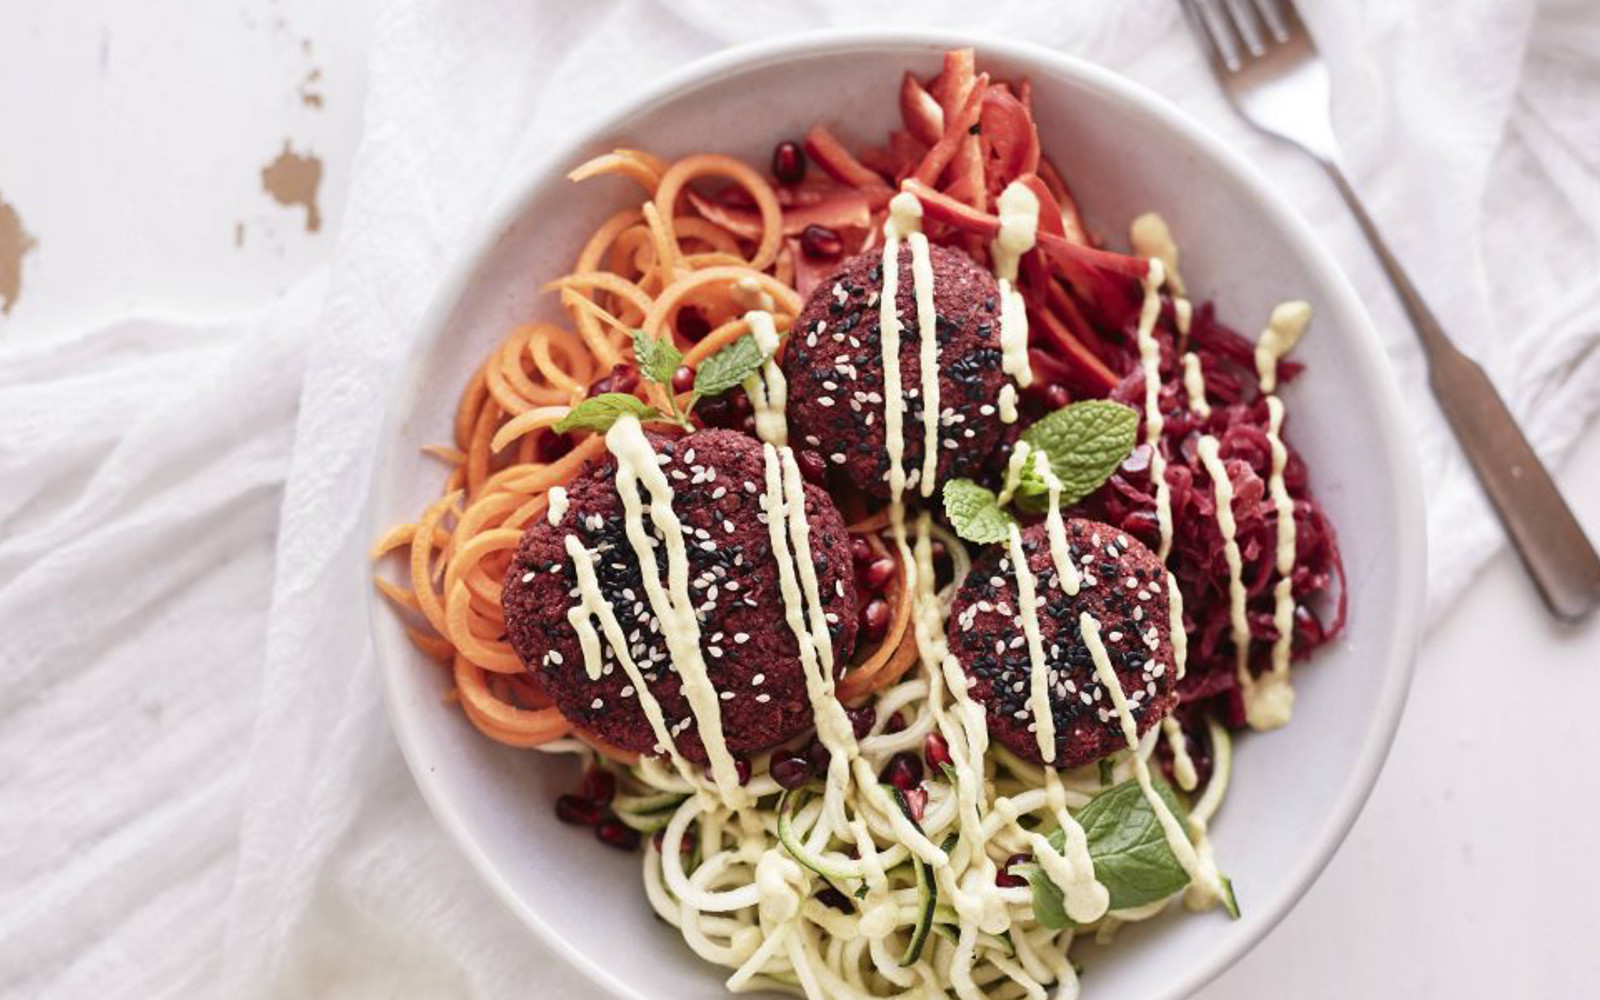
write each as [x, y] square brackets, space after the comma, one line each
[1549, 538]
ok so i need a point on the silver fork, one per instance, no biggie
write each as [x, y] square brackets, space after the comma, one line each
[1267, 64]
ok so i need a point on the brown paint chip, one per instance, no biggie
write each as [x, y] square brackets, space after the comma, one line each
[15, 242]
[293, 179]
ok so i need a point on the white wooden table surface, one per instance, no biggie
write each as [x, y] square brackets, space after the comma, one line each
[133, 140]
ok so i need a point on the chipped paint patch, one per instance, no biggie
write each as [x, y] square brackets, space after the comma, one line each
[15, 242]
[309, 96]
[292, 180]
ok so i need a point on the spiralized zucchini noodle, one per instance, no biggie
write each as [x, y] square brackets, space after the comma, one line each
[845, 887]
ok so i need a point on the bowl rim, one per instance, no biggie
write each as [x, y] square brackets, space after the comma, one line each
[1356, 328]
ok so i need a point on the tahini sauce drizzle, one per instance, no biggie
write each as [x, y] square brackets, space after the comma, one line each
[1072, 870]
[1284, 329]
[558, 505]
[767, 389]
[1205, 886]
[1150, 365]
[672, 605]
[1019, 229]
[1239, 624]
[1271, 703]
[592, 604]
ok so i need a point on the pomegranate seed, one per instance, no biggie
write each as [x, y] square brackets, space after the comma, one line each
[861, 720]
[860, 551]
[1056, 396]
[916, 802]
[937, 751]
[683, 379]
[740, 401]
[577, 811]
[1005, 879]
[788, 163]
[829, 896]
[875, 619]
[820, 243]
[615, 833]
[819, 757]
[741, 768]
[878, 574]
[791, 772]
[599, 785]
[904, 771]
[748, 425]
[692, 323]
[685, 843]
[623, 378]
[894, 723]
[811, 467]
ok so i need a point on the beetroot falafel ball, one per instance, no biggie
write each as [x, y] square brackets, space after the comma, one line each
[751, 655]
[834, 367]
[1123, 586]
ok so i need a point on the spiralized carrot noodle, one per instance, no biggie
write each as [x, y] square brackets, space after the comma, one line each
[690, 168]
[624, 162]
[639, 269]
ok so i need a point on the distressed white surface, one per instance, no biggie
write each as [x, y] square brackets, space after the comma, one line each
[126, 747]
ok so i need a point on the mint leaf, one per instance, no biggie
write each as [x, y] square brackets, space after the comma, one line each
[1048, 906]
[1085, 442]
[1129, 846]
[728, 367]
[598, 413]
[975, 512]
[658, 360]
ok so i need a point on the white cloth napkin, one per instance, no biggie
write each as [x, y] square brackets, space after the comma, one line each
[201, 795]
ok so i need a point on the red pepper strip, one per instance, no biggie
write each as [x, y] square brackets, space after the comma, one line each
[943, 208]
[1008, 129]
[923, 116]
[951, 85]
[1093, 371]
[956, 131]
[830, 155]
[1070, 216]
[905, 152]
[1060, 302]
[841, 210]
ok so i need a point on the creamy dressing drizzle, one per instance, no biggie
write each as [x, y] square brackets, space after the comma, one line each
[592, 604]
[1151, 238]
[784, 504]
[1044, 727]
[1205, 884]
[1006, 403]
[1150, 365]
[558, 505]
[1194, 383]
[1182, 763]
[767, 389]
[1019, 228]
[1284, 329]
[1222, 488]
[928, 355]
[1072, 870]
[672, 605]
[1273, 703]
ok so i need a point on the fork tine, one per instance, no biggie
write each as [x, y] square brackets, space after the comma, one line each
[1274, 19]
[1244, 20]
[1210, 23]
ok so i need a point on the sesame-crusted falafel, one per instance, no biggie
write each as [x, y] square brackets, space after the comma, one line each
[1123, 586]
[751, 655]
[834, 367]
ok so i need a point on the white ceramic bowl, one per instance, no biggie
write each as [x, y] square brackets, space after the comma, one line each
[1295, 792]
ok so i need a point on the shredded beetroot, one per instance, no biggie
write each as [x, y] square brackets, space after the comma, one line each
[1238, 421]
